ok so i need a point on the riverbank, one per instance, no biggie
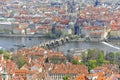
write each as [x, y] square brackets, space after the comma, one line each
[21, 35]
[78, 40]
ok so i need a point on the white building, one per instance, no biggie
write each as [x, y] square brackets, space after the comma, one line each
[18, 31]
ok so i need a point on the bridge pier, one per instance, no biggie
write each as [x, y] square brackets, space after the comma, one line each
[63, 41]
[57, 43]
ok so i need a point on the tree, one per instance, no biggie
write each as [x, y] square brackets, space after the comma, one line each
[20, 63]
[66, 77]
[106, 62]
[75, 62]
[84, 56]
[6, 55]
[117, 58]
[19, 59]
[69, 57]
[94, 52]
[7, 31]
[100, 59]
[50, 35]
[91, 64]
[1, 51]
[90, 54]
[111, 57]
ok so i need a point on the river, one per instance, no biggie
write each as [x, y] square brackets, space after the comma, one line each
[9, 43]
[108, 47]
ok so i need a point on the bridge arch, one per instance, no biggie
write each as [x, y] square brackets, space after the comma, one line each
[67, 39]
[57, 43]
[54, 43]
[62, 41]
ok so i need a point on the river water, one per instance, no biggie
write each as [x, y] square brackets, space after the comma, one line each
[9, 43]
[107, 47]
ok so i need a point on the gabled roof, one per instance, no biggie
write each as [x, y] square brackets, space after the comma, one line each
[68, 68]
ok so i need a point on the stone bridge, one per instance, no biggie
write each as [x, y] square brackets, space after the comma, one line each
[55, 43]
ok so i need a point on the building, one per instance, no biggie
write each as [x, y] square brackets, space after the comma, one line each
[105, 72]
[19, 31]
[42, 30]
[94, 33]
[68, 69]
[6, 24]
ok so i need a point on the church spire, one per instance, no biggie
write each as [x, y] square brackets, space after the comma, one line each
[4, 73]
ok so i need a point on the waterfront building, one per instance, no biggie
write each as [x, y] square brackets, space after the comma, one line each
[42, 30]
[115, 29]
[19, 31]
[94, 33]
[6, 24]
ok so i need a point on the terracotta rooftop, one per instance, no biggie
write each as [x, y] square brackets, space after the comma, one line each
[93, 27]
[68, 68]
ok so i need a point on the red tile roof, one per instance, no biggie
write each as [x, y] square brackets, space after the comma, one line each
[68, 68]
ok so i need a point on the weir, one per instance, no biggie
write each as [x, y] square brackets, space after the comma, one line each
[115, 47]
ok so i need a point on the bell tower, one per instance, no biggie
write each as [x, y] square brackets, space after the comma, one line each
[4, 74]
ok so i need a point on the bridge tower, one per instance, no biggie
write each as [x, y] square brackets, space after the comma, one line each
[97, 2]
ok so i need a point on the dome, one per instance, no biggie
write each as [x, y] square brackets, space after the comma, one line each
[92, 71]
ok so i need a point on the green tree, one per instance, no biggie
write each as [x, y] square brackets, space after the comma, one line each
[117, 58]
[20, 63]
[91, 64]
[106, 62]
[58, 34]
[69, 57]
[19, 59]
[94, 52]
[84, 56]
[66, 77]
[90, 54]
[6, 55]
[75, 62]
[100, 59]
[50, 35]
[7, 31]
[1, 51]
[111, 57]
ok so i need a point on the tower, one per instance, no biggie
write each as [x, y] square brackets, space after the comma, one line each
[4, 74]
[96, 3]
[76, 29]
[54, 28]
